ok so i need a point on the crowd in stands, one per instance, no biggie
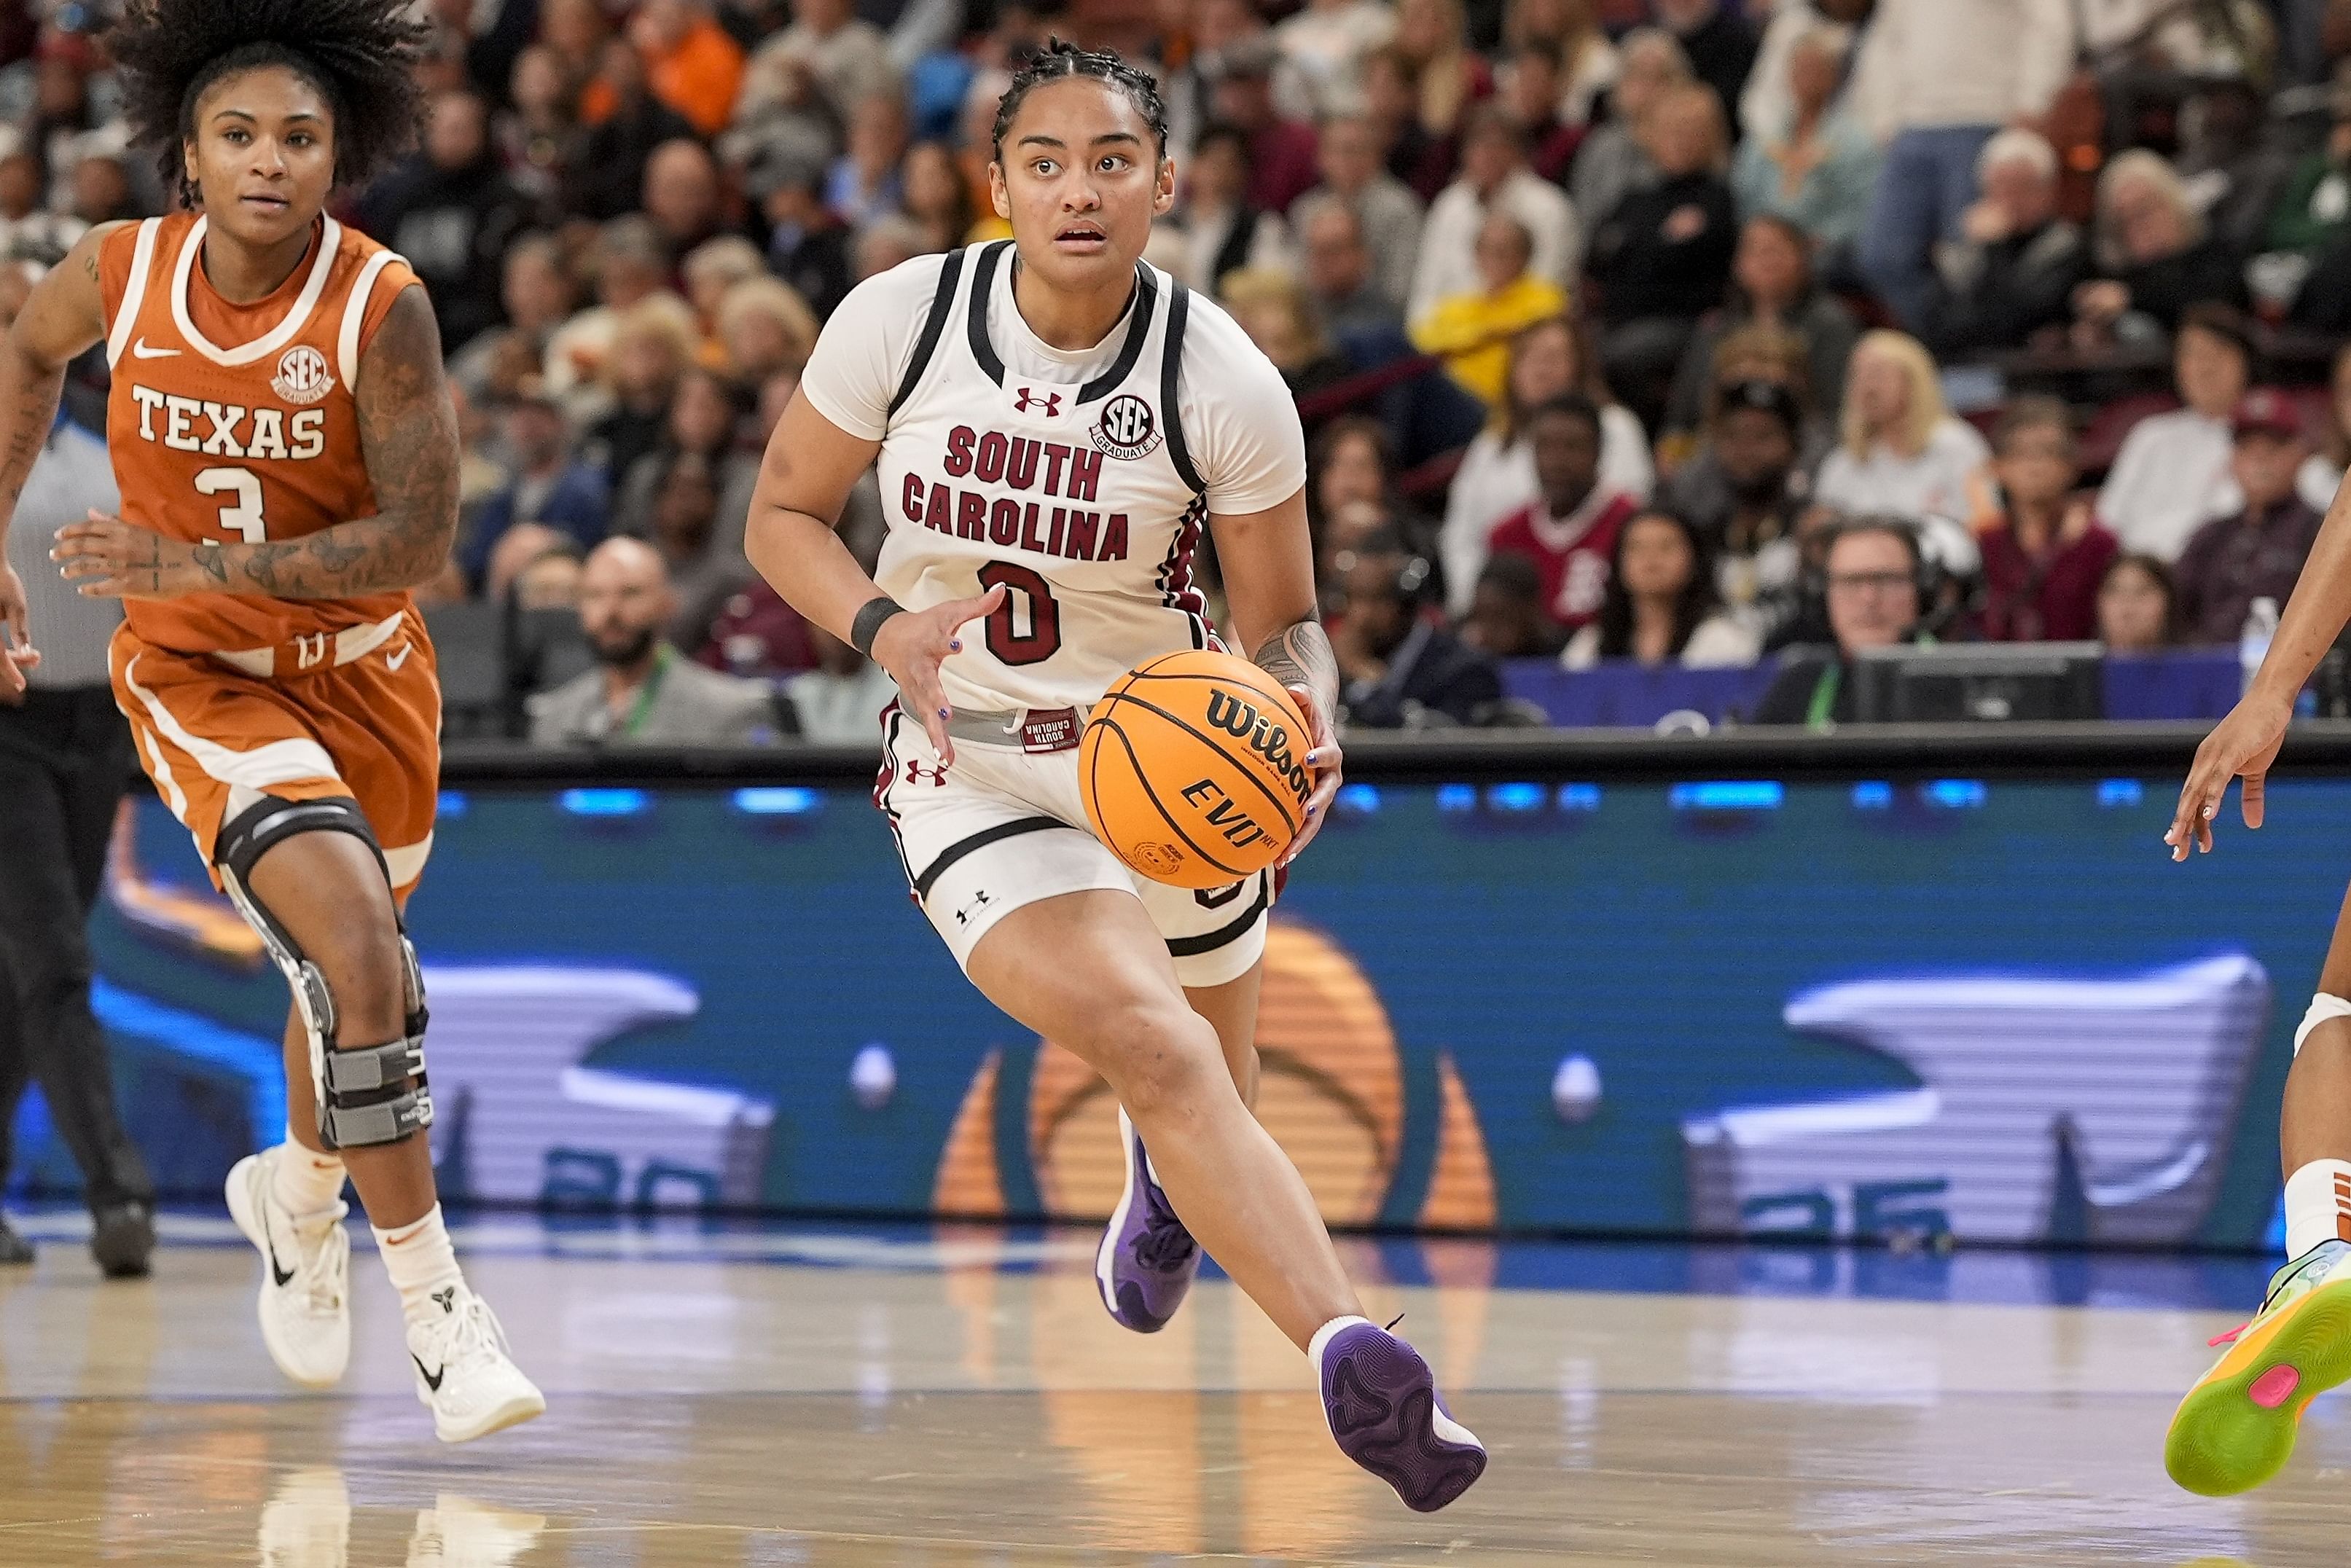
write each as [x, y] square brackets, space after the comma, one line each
[1674, 331]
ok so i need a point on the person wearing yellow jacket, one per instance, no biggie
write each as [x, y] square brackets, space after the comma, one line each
[1472, 332]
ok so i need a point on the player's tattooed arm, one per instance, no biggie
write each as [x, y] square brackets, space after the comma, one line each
[408, 433]
[1300, 655]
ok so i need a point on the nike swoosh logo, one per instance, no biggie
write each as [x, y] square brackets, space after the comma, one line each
[432, 1379]
[140, 351]
[283, 1276]
[393, 661]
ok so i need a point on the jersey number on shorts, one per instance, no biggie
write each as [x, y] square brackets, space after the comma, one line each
[1005, 641]
[243, 517]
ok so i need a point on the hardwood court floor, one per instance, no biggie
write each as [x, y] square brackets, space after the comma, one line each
[963, 1400]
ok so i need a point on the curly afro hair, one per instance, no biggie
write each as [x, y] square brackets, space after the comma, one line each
[358, 54]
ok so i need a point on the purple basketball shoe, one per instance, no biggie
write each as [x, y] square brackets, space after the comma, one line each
[1147, 1258]
[1382, 1403]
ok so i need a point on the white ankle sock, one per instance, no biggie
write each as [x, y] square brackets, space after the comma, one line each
[420, 1260]
[1322, 1338]
[305, 1181]
[2317, 1206]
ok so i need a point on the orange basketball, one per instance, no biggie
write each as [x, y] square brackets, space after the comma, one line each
[1194, 769]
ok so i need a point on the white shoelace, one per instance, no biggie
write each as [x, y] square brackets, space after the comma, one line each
[325, 1250]
[470, 1335]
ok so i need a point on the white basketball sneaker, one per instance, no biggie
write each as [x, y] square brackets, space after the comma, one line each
[306, 1299]
[458, 1533]
[464, 1374]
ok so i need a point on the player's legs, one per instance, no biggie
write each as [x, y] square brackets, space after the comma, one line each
[1231, 1010]
[2236, 1427]
[1090, 972]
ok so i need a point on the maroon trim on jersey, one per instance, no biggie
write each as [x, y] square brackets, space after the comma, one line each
[891, 716]
[1177, 589]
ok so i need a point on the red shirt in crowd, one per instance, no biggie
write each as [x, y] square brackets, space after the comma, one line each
[1571, 553]
[1282, 164]
[2052, 597]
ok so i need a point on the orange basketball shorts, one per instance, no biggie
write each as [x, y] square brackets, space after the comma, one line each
[357, 715]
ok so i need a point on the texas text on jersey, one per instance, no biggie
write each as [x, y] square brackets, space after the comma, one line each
[239, 422]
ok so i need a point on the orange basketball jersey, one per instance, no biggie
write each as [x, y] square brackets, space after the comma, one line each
[239, 422]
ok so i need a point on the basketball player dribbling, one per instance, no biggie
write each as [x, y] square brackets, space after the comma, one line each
[1056, 423]
[286, 453]
[2236, 1427]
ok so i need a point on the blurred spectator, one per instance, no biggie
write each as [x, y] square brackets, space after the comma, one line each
[1494, 175]
[932, 193]
[451, 212]
[1272, 306]
[1473, 330]
[682, 195]
[2313, 212]
[886, 241]
[2258, 552]
[1497, 476]
[537, 135]
[2154, 257]
[1399, 669]
[764, 329]
[2135, 613]
[2232, 174]
[1721, 45]
[2012, 273]
[1432, 38]
[1662, 259]
[1772, 284]
[826, 61]
[642, 692]
[1351, 466]
[865, 181]
[2321, 475]
[1570, 531]
[1421, 161]
[629, 269]
[2172, 474]
[548, 487]
[1944, 76]
[704, 419]
[1338, 271]
[758, 634]
[708, 271]
[2044, 555]
[539, 297]
[1768, 103]
[28, 230]
[651, 350]
[691, 63]
[1613, 161]
[1530, 94]
[705, 570]
[1873, 572]
[1325, 43]
[1818, 168]
[1280, 152]
[1222, 230]
[1385, 210]
[102, 190]
[1660, 607]
[1900, 452]
[1505, 616]
[807, 248]
[608, 178]
[838, 702]
[1584, 61]
[1746, 499]
[575, 32]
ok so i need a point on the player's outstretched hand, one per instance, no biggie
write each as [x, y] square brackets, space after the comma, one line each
[913, 644]
[17, 653]
[1329, 762]
[105, 558]
[2244, 746]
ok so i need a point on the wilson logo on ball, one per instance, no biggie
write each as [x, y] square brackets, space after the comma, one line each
[1128, 427]
[1266, 738]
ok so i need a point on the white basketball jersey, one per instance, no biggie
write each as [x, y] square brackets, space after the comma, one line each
[1082, 500]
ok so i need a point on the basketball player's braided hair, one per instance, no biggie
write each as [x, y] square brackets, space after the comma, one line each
[1061, 60]
[358, 54]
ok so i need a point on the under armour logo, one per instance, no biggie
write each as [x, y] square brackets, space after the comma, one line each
[1052, 402]
[309, 648]
[978, 901]
[917, 772]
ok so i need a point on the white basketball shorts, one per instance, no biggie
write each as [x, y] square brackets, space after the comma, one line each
[1003, 828]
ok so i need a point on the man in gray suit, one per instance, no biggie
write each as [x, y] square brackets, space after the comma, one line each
[643, 691]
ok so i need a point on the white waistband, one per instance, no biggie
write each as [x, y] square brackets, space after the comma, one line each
[350, 643]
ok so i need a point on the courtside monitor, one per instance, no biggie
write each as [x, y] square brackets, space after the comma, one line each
[1979, 682]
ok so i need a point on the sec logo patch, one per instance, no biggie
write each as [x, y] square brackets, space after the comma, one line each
[302, 375]
[1127, 428]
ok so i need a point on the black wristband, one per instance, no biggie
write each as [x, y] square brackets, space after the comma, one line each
[868, 624]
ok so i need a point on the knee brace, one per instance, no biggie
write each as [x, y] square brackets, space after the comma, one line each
[366, 1095]
[2322, 1007]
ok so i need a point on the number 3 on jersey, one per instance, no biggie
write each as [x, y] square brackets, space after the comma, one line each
[243, 517]
[1005, 641]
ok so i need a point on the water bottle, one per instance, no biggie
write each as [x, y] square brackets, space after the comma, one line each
[2253, 642]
